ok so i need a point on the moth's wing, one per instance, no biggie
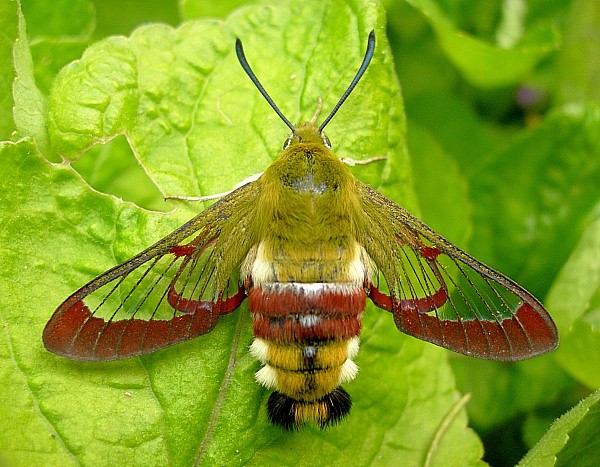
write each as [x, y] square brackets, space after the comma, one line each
[173, 291]
[440, 294]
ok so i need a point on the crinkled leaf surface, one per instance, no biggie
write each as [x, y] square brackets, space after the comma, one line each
[147, 87]
[198, 126]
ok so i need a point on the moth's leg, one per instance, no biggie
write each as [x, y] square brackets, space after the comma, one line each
[251, 178]
[352, 162]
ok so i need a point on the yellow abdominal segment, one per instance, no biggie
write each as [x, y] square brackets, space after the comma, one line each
[305, 372]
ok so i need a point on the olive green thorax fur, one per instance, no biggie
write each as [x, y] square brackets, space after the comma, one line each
[305, 210]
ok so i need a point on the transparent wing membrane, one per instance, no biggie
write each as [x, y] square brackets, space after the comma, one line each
[173, 291]
[438, 293]
[156, 299]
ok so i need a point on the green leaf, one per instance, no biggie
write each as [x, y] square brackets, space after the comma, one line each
[578, 61]
[123, 16]
[126, 86]
[9, 12]
[23, 107]
[504, 392]
[420, 64]
[535, 197]
[440, 187]
[190, 9]
[198, 126]
[455, 126]
[58, 32]
[112, 168]
[572, 439]
[488, 64]
[574, 301]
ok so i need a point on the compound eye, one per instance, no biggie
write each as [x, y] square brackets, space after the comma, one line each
[288, 141]
[326, 141]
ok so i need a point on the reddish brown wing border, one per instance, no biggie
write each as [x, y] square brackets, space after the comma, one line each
[528, 332]
[74, 332]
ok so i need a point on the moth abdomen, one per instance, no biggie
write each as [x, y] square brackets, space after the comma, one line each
[306, 335]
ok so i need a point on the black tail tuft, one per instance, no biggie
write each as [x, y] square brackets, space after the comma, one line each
[339, 404]
[292, 414]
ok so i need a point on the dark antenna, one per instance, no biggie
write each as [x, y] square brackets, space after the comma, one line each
[361, 71]
[239, 50]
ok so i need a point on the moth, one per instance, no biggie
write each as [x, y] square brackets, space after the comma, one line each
[306, 244]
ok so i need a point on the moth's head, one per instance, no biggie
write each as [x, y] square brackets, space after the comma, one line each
[308, 132]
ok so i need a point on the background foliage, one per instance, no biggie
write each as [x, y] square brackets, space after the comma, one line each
[501, 101]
